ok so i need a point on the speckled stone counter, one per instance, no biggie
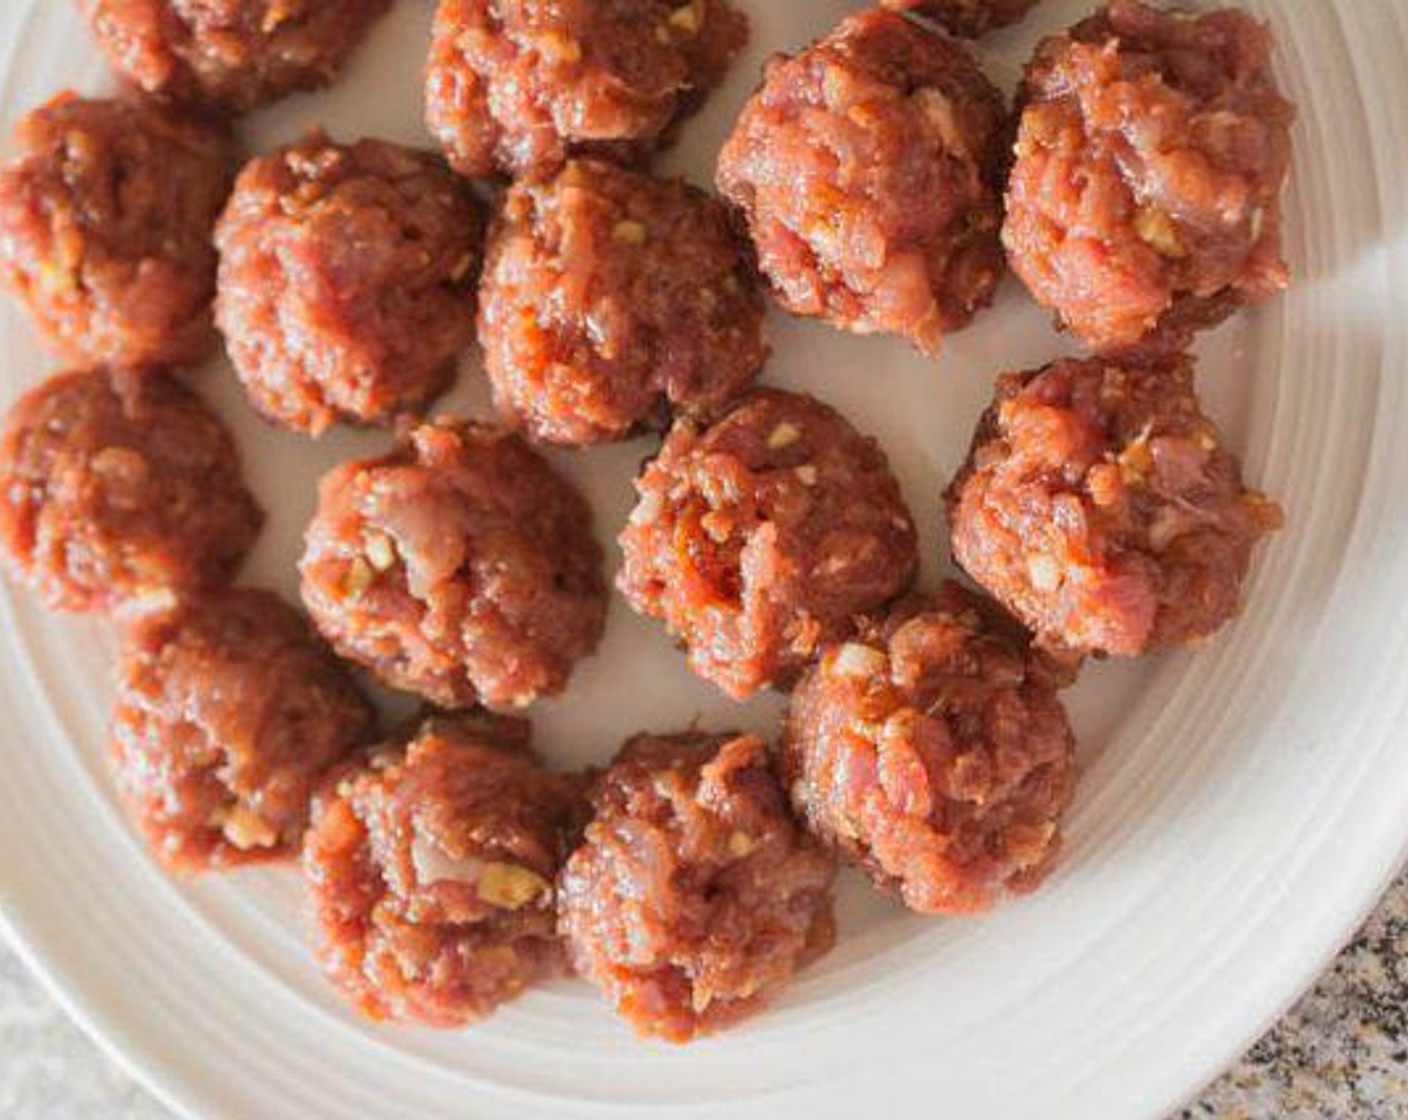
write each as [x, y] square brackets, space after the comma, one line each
[1341, 1054]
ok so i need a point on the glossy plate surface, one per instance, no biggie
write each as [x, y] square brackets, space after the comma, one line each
[1239, 810]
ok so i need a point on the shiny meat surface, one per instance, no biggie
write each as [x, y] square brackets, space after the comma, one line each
[1144, 203]
[968, 19]
[1099, 505]
[460, 567]
[106, 210]
[229, 709]
[694, 897]
[868, 167]
[517, 86]
[932, 749]
[346, 285]
[430, 869]
[117, 487]
[761, 537]
[611, 298]
[230, 55]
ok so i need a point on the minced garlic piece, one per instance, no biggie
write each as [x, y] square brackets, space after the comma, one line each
[856, 660]
[279, 12]
[688, 18]
[511, 887]
[246, 830]
[1044, 573]
[784, 435]
[1156, 229]
[380, 550]
[1136, 460]
[359, 578]
[630, 232]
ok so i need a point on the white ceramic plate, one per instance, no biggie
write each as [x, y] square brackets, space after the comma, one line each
[1239, 810]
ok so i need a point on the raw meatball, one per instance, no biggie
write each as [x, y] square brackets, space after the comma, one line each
[233, 55]
[459, 567]
[610, 297]
[117, 486]
[868, 167]
[431, 872]
[1146, 192]
[694, 897]
[347, 281]
[969, 19]
[106, 209]
[932, 750]
[229, 710]
[517, 86]
[1100, 507]
[763, 536]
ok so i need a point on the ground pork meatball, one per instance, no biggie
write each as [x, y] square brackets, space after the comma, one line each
[933, 751]
[1145, 198]
[347, 281]
[229, 710]
[516, 86]
[694, 897]
[431, 871]
[1100, 507]
[610, 297]
[233, 55]
[460, 567]
[763, 536]
[106, 208]
[868, 169]
[968, 19]
[115, 486]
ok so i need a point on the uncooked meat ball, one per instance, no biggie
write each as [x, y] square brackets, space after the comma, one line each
[231, 55]
[347, 279]
[968, 19]
[106, 210]
[116, 487]
[694, 897]
[229, 710]
[460, 567]
[931, 749]
[1099, 506]
[763, 536]
[611, 298]
[1145, 198]
[517, 86]
[431, 871]
[868, 170]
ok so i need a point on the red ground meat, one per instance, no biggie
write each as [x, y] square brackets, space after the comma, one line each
[431, 872]
[610, 297]
[1145, 198]
[517, 86]
[459, 567]
[228, 711]
[763, 536]
[868, 167]
[932, 750]
[234, 55]
[106, 208]
[1099, 506]
[969, 19]
[114, 486]
[347, 280]
[694, 897]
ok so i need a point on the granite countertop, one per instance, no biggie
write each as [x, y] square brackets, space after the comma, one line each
[1341, 1054]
